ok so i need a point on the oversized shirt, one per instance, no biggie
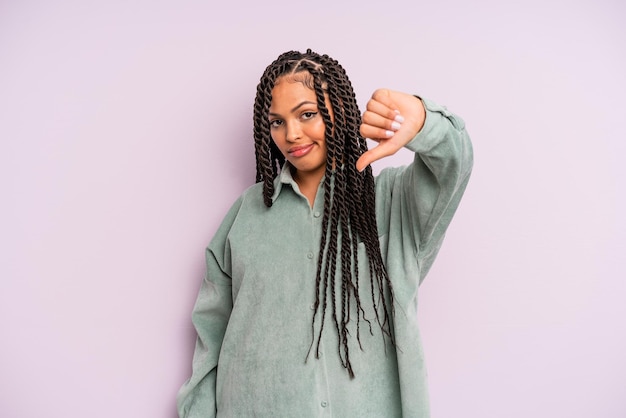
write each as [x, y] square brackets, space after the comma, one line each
[254, 311]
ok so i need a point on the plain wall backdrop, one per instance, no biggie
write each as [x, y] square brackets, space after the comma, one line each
[126, 134]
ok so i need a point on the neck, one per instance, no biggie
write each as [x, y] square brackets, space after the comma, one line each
[308, 184]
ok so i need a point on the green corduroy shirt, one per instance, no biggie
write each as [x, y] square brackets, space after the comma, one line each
[254, 311]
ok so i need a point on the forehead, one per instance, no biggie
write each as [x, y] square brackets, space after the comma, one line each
[290, 91]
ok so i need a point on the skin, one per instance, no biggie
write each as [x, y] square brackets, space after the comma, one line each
[391, 119]
[297, 129]
[383, 109]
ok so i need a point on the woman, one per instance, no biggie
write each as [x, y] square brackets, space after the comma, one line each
[309, 303]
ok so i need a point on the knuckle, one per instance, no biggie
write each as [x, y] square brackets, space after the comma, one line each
[379, 94]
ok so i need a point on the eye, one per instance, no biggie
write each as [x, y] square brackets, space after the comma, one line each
[308, 115]
[275, 123]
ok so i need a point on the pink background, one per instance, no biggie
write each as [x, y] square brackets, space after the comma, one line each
[125, 131]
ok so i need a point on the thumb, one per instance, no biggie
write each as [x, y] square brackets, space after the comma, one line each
[370, 156]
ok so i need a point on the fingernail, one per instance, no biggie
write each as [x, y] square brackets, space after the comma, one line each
[399, 118]
[395, 126]
[389, 134]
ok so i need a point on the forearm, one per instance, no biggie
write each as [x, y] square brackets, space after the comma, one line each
[435, 182]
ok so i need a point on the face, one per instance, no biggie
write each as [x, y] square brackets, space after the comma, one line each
[297, 128]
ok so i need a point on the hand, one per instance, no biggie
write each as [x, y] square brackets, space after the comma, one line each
[392, 119]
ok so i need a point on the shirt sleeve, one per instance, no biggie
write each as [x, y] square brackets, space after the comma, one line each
[210, 316]
[418, 201]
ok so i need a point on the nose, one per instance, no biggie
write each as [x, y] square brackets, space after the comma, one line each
[294, 132]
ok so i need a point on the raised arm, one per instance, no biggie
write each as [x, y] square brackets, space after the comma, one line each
[417, 202]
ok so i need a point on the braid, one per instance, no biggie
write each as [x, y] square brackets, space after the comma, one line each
[349, 197]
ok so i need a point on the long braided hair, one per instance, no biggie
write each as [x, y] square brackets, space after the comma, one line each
[349, 206]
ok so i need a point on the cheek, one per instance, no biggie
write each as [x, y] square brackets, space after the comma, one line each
[319, 130]
[280, 145]
[275, 136]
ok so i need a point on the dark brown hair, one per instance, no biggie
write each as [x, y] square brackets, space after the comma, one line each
[349, 196]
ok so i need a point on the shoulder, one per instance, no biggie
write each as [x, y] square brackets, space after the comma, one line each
[245, 207]
[252, 197]
[254, 192]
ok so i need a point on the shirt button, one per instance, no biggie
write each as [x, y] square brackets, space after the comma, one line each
[310, 256]
[317, 214]
[312, 306]
[324, 404]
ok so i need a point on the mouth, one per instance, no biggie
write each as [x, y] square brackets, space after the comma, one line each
[300, 150]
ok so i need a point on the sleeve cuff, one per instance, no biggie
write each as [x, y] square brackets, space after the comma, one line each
[434, 127]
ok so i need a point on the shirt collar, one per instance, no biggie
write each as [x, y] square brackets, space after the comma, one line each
[285, 177]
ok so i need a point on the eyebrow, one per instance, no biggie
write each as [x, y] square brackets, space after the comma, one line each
[296, 107]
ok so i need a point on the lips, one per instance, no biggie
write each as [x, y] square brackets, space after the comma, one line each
[300, 150]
